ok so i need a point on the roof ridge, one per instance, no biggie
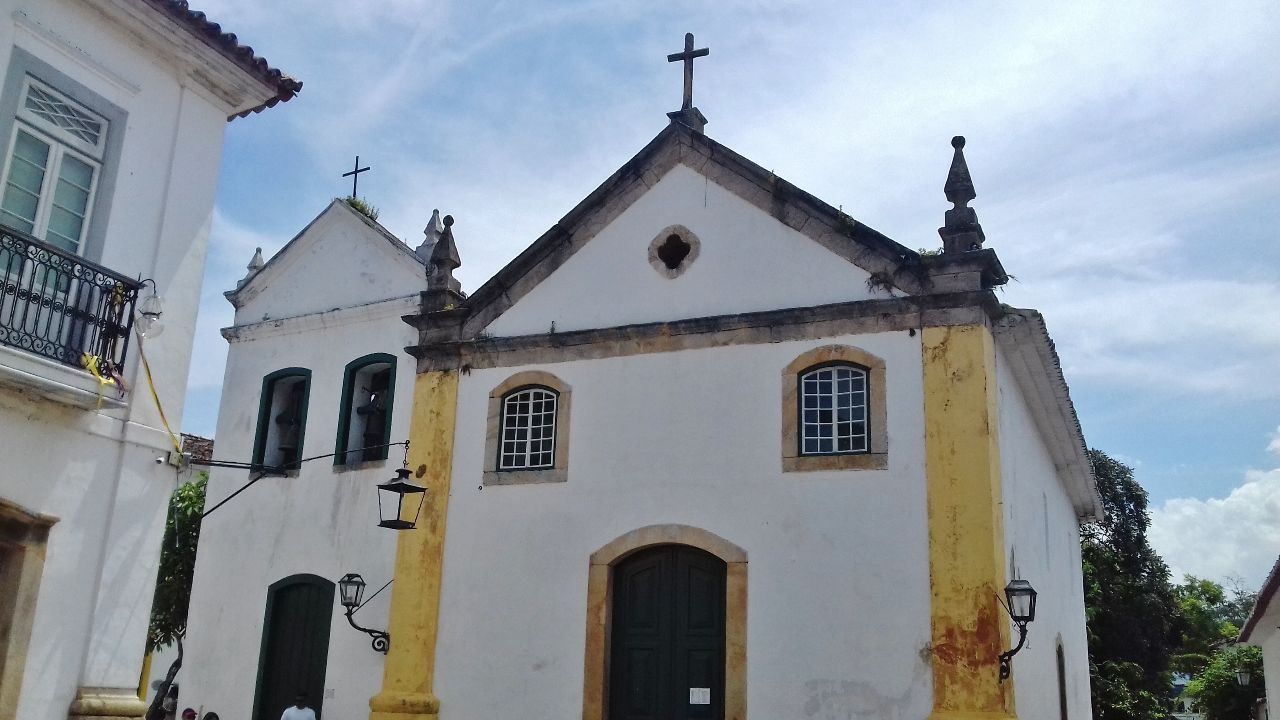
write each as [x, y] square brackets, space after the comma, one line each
[210, 32]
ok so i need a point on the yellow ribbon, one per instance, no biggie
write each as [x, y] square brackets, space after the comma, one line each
[90, 363]
[155, 397]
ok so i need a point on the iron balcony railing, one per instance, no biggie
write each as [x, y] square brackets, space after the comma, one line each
[61, 306]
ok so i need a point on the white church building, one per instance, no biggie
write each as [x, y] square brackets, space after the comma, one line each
[708, 448]
[112, 118]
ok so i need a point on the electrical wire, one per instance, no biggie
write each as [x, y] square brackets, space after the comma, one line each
[274, 471]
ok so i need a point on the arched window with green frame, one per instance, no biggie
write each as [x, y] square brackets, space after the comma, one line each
[282, 418]
[364, 419]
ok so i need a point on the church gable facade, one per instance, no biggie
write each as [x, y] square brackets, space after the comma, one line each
[314, 370]
[340, 242]
[675, 492]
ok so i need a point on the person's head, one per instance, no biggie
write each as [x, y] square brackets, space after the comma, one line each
[189, 714]
[211, 716]
[300, 700]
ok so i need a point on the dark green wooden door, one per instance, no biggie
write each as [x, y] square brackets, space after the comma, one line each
[667, 641]
[295, 645]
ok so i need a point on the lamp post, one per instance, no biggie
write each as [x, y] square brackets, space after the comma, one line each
[1021, 605]
[350, 591]
[392, 498]
[149, 309]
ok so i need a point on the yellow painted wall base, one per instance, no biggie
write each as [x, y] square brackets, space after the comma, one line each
[954, 715]
[409, 671]
[146, 675]
[966, 525]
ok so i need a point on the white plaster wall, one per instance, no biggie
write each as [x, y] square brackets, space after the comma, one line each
[838, 604]
[66, 463]
[323, 521]
[1271, 659]
[96, 471]
[1043, 547]
[301, 279]
[748, 261]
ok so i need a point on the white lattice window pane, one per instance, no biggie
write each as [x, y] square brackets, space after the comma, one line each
[528, 430]
[70, 203]
[833, 411]
[26, 178]
[65, 115]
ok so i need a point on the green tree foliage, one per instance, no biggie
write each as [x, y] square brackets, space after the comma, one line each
[1200, 627]
[1216, 691]
[1209, 616]
[177, 564]
[1130, 607]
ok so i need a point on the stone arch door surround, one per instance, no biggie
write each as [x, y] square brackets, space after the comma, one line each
[599, 599]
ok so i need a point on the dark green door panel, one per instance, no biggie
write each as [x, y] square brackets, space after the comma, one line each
[295, 645]
[668, 635]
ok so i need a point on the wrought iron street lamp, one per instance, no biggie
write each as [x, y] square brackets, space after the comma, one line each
[396, 501]
[1243, 676]
[149, 310]
[1021, 605]
[350, 591]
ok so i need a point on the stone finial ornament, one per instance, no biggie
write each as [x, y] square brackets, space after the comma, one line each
[961, 231]
[431, 233]
[253, 267]
[443, 290]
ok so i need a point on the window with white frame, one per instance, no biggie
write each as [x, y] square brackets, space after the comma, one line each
[528, 429]
[833, 410]
[52, 163]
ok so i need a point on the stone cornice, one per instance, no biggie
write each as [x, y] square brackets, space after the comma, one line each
[446, 347]
[393, 307]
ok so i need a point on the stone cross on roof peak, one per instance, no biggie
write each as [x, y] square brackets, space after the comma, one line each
[688, 114]
[688, 56]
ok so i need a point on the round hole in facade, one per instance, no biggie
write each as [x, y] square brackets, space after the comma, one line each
[673, 250]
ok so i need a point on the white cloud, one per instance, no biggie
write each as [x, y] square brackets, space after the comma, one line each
[1273, 447]
[1237, 536]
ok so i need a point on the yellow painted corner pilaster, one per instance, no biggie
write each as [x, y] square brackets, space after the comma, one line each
[409, 671]
[966, 525]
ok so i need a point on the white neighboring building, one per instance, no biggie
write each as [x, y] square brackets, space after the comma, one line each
[677, 323]
[321, 320]
[1263, 629]
[112, 115]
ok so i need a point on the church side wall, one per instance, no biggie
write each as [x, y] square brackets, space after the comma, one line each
[1271, 666]
[322, 522]
[1042, 538]
[96, 471]
[838, 610]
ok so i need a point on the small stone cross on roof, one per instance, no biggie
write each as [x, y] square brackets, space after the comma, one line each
[687, 56]
[355, 175]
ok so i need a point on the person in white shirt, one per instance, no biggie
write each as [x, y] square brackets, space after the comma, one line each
[299, 711]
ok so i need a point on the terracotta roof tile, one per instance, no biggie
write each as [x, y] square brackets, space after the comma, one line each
[226, 43]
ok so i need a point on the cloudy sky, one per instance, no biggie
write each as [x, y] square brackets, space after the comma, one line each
[1126, 155]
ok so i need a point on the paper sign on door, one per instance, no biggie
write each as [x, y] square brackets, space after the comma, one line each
[699, 696]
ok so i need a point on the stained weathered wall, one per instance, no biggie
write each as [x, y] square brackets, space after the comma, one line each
[323, 521]
[838, 588]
